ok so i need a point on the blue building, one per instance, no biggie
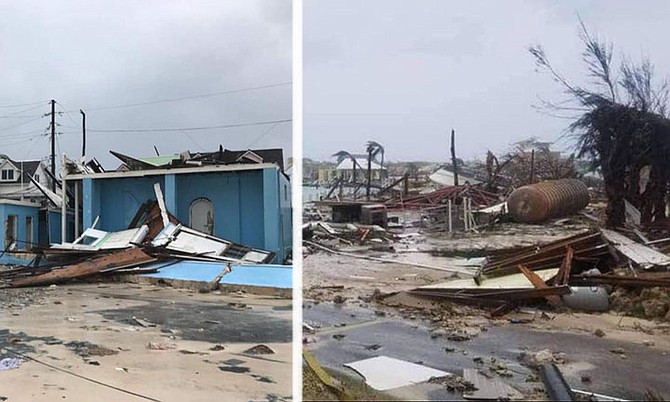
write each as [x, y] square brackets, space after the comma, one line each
[27, 224]
[247, 203]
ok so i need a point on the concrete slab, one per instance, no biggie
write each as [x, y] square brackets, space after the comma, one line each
[275, 276]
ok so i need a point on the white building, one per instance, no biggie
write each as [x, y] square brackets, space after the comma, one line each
[346, 169]
[15, 179]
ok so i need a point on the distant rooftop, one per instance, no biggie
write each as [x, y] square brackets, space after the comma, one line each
[188, 159]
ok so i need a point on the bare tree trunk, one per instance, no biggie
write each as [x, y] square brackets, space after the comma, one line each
[614, 188]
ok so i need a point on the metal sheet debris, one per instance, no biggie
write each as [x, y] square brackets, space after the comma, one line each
[640, 254]
[383, 373]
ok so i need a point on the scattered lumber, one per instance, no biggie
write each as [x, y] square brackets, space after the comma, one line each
[106, 263]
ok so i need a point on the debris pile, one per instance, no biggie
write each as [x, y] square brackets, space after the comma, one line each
[479, 197]
[560, 273]
[154, 235]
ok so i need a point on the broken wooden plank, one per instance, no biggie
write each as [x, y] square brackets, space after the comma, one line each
[566, 268]
[122, 259]
[539, 284]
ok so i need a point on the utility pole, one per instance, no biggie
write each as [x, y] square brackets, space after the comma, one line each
[453, 157]
[53, 144]
[83, 133]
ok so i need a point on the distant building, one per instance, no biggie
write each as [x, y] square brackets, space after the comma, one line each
[345, 169]
[15, 179]
[326, 175]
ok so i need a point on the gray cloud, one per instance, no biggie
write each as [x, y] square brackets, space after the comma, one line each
[94, 54]
[403, 73]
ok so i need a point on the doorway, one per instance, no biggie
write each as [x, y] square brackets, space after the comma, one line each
[10, 232]
[201, 216]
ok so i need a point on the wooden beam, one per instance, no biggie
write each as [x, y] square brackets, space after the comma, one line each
[539, 284]
[121, 259]
[563, 275]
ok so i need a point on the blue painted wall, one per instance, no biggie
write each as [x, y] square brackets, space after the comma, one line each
[250, 207]
[120, 199]
[91, 202]
[21, 212]
[237, 198]
[54, 230]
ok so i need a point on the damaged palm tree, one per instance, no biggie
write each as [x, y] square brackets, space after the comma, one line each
[622, 128]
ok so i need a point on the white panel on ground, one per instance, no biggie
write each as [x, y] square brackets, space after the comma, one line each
[383, 373]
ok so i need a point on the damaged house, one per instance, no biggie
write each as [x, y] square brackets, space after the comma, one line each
[238, 196]
[29, 217]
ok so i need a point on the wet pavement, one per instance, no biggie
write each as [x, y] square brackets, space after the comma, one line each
[413, 341]
[209, 322]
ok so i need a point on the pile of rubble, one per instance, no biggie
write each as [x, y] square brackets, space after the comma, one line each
[583, 272]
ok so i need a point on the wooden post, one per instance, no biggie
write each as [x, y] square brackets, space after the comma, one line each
[354, 174]
[76, 209]
[53, 144]
[63, 218]
[449, 215]
[453, 157]
[465, 214]
[367, 189]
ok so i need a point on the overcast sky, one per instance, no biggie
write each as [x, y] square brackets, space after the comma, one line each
[403, 73]
[95, 54]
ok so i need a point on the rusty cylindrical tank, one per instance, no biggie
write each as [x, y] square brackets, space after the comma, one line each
[536, 203]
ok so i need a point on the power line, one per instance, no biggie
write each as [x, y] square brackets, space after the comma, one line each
[262, 135]
[23, 135]
[192, 140]
[20, 124]
[23, 104]
[207, 95]
[153, 130]
[16, 114]
[62, 370]
[66, 112]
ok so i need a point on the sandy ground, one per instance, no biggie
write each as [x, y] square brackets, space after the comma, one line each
[41, 324]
